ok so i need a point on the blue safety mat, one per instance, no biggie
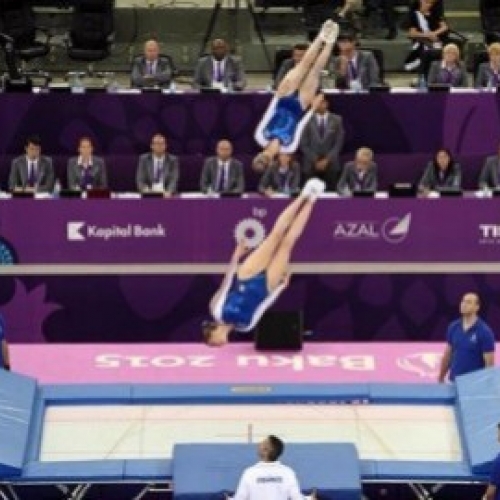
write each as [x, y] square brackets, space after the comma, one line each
[478, 414]
[17, 398]
[200, 471]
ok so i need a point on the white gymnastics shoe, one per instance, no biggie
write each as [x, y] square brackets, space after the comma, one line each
[313, 188]
[329, 32]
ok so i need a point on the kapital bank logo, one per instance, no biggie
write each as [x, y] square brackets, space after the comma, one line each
[82, 231]
[392, 229]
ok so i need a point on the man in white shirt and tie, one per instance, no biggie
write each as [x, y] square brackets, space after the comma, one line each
[269, 479]
[222, 173]
[32, 171]
[158, 170]
[220, 69]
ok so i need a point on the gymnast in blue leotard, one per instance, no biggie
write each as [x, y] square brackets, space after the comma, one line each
[251, 286]
[295, 100]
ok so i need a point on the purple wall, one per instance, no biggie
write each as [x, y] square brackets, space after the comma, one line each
[67, 309]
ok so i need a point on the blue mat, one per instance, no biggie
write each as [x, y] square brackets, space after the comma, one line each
[17, 398]
[478, 413]
[201, 471]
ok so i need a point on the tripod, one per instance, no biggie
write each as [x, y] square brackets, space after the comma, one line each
[235, 11]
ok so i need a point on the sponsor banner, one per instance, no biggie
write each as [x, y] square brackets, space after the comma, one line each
[205, 230]
[235, 363]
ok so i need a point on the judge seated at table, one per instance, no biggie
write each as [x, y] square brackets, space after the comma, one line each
[442, 173]
[281, 178]
[490, 173]
[450, 70]
[220, 69]
[488, 73]
[86, 171]
[222, 173]
[152, 69]
[158, 171]
[359, 175]
[32, 171]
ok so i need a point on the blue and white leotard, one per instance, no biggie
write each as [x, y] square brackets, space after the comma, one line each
[284, 120]
[243, 302]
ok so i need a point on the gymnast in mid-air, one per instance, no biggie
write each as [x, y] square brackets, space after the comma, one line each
[295, 100]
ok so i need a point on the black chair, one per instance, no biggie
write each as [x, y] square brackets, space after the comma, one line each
[478, 58]
[17, 20]
[280, 56]
[490, 20]
[92, 30]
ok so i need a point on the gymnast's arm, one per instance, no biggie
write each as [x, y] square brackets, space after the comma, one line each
[239, 251]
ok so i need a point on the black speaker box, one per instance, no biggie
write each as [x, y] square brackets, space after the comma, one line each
[279, 331]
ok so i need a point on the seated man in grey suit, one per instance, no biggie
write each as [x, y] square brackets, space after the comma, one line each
[298, 52]
[282, 176]
[152, 69]
[321, 143]
[450, 70]
[158, 171]
[360, 174]
[488, 73]
[219, 70]
[354, 69]
[86, 171]
[222, 173]
[32, 171]
[442, 173]
[490, 174]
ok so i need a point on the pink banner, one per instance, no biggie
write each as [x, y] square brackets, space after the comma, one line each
[236, 363]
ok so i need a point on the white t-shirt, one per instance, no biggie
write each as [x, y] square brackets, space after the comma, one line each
[268, 481]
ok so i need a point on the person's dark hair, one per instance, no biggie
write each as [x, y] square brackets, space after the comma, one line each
[300, 46]
[451, 163]
[32, 139]
[277, 447]
[207, 327]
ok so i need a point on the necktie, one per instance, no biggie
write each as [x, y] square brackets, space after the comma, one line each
[86, 181]
[448, 76]
[158, 171]
[284, 181]
[220, 185]
[219, 75]
[31, 174]
[353, 72]
[150, 67]
[322, 127]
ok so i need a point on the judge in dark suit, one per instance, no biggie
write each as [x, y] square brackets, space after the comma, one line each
[282, 176]
[450, 70]
[488, 73]
[490, 174]
[152, 69]
[222, 173]
[219, 69]
[158, 170]
[442, 173]
[321, 143]
[354, 67]
[32, 171]
[360, 174]
[298, 52]
[86, 171]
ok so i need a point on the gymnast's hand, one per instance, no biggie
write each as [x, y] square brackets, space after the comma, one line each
[241, 249]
